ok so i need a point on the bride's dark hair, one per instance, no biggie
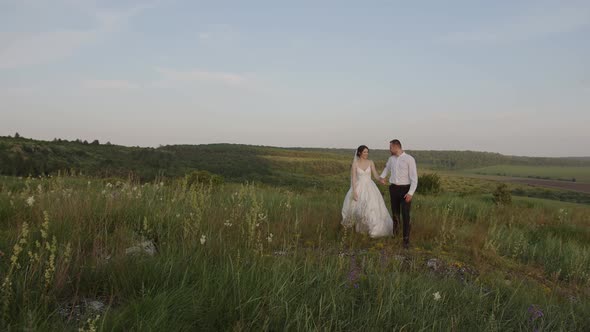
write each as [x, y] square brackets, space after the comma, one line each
[360, 150]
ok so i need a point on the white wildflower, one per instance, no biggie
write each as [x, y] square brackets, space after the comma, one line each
[436, 296]
[203, 239]
[30, 201]
[269, 238]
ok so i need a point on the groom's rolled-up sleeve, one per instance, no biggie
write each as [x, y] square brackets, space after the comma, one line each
[384, 173]
[413, 177]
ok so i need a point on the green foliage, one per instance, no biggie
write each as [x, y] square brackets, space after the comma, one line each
[429, 183]
[502, 195]
[254, 257]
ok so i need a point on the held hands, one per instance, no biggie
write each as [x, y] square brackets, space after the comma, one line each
[382, 181]
[408, 198]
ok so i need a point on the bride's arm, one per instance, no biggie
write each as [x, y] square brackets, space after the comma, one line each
[353, 177]
[374, 171]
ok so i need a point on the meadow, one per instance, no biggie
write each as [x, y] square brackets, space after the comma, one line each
[233, 237]
[92, 254]
[561, 173]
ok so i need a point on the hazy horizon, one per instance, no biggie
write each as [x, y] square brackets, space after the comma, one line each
[505, 77]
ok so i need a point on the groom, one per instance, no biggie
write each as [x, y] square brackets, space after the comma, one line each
[403, 183]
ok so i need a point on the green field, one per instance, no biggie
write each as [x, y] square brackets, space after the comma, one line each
[263, 249]
[255, 257]
[562, 173]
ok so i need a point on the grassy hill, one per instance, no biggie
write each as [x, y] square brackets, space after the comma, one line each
[93, 252]
[80, 253]
[22, 157]
[561, 173]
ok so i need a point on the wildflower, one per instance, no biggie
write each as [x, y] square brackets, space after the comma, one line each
[436, 296]
[227, 223]
[269, 238]
[203, 239]
[30, 201]
[535, 312]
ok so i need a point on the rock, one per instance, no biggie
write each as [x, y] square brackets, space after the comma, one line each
[96, 306]
[147, 247]
[80, 310]
[434, 264]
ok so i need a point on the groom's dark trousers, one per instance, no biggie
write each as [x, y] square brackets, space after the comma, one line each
[399, 206]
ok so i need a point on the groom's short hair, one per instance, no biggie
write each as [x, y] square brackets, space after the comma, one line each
[396, 142]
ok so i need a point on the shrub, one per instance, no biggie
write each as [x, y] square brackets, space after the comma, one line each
[204, 177]
[502, 195]
[429, 184]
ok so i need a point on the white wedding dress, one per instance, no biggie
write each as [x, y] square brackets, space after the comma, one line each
[368, 214]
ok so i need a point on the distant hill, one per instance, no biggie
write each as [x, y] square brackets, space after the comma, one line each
[281, 166]
[457, 160]
[584, 159]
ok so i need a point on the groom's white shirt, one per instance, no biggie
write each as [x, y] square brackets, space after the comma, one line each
[403, 171]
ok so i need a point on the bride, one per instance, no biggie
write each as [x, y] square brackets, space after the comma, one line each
[363, 206]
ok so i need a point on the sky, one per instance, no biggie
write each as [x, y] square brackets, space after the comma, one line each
[502, 76]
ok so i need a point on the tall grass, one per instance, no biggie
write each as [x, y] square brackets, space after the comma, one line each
[245, 257]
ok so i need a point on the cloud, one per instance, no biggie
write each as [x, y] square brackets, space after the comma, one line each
[120, 85]
[43, 47]
[35, 48]
[531, 25]
[173, 75]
